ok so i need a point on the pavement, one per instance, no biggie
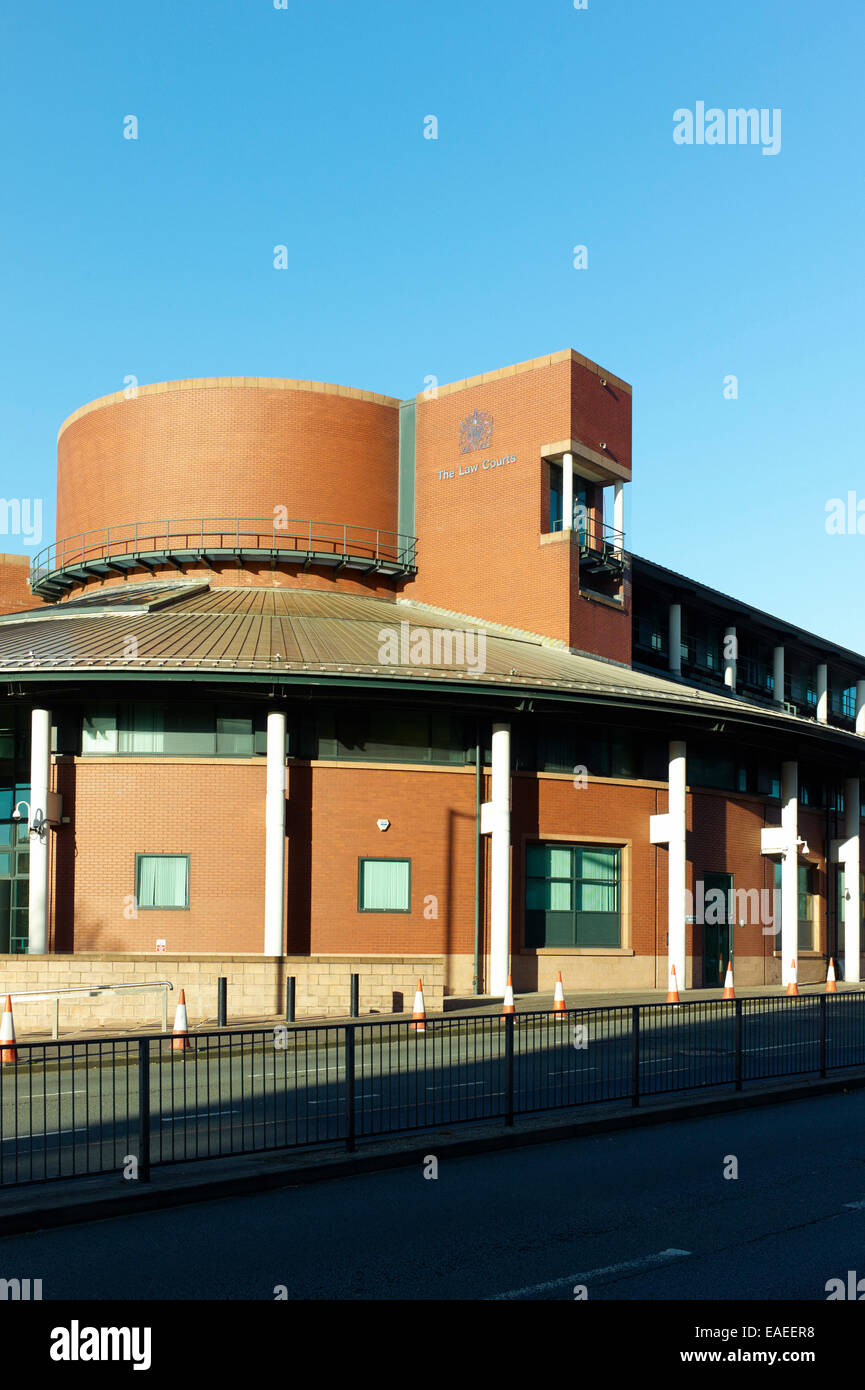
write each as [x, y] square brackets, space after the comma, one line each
[453, 1006]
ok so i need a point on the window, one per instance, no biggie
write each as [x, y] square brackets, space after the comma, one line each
[162, 880]
[573, 895]
[384, 885]
[391, 734]
[805, 911]
[155, 729]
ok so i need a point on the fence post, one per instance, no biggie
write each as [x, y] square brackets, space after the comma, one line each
[509, 1023]
[221, 1001]
[143, 1110]
[349, 1089]
[354, 1008]
[822, 999]
[635, 1061]
[739, 1058]
[289, 999]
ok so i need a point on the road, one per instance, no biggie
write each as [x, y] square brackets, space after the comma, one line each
[236, 1092]
[526, 1224]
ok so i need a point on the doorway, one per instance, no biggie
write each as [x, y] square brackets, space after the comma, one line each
[717, 928]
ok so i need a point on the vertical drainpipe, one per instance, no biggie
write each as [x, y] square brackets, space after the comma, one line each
[274, 835]
[852, 881]
[478, 774]
[790, 871]
[40, 775]
[500, 860]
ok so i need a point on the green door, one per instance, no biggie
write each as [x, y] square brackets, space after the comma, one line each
[717, 928]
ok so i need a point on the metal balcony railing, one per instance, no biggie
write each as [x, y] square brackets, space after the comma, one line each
[145, 544]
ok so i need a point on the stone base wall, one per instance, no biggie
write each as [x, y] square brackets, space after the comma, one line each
[256, 987]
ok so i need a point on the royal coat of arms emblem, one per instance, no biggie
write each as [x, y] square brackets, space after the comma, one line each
[476, 431]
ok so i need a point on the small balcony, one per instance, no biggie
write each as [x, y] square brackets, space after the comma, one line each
[602, 548]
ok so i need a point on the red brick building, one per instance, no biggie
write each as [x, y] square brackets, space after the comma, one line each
[315, 680]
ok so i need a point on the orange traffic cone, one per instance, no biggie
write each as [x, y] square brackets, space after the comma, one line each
[9, 1051]
[831, 987]
[180, 1041]
[728, 982]
[793, 986]
[419, 1011]
[673, 987]
[508, 1005]
[559, 999]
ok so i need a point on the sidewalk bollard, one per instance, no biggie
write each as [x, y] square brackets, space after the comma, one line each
[221, 1001]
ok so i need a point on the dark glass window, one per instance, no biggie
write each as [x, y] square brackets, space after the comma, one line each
[573, 895]
[179, 730]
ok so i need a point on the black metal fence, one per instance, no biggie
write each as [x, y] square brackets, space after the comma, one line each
[120, 1105]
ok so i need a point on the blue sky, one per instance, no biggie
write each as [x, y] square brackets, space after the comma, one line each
[411, 257]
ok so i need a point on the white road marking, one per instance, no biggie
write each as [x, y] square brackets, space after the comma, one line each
[195, 1115]
[663, 1257]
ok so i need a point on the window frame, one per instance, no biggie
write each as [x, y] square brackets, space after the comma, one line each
[382, 859]
[177, 907]
[621, 848]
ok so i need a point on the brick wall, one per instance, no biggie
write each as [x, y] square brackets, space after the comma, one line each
[231, 448]
[256, 987]
[15, 595]
[481, 548]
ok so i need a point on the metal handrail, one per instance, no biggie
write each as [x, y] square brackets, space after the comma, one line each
[594, 532]
[132, 538]
[150, 986]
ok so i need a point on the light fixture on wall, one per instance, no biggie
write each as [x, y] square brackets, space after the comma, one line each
[382, 824]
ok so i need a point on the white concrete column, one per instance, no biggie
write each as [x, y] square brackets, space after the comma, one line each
[500, 860]
[852, 890]
[860, 707]
[789, 870]
[675, 639]
[619, 516]
[778, 676]
[730, 650]
[568, 492]
[677, 861]
[274, 836]
[822, 693]
[40, 780]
